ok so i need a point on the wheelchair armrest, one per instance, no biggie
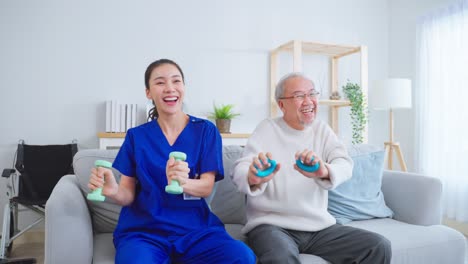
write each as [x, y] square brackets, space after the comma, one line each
[68, 228]
[8, 172]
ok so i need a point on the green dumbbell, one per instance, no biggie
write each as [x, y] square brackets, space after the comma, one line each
[174, 187]
[96, 194]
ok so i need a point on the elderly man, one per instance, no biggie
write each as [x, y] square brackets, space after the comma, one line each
[287, 210]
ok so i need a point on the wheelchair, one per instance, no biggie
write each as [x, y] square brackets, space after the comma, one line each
[37, 170]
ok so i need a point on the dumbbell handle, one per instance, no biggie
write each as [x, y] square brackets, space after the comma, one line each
[174, 186]
[96, 194]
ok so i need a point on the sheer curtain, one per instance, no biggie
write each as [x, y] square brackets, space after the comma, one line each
[441, 104]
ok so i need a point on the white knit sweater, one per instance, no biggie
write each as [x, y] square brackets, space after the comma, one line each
[291, 200]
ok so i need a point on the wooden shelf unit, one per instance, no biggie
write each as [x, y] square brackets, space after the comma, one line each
[115, 140]
[235, 135]
[111, 135]
[334, 52]
[122, 135]
[335, 103]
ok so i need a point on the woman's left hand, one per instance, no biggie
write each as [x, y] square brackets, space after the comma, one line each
[177, 170]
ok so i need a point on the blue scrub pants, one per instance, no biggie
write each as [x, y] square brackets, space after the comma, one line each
[209, 245]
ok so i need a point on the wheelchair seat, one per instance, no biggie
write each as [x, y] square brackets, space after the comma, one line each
[38, 168]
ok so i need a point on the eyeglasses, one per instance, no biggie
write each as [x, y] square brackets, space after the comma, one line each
[300, 97]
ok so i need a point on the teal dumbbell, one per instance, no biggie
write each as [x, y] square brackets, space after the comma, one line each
[174, 187]
[267, 171]
[96, 194]
[307, 168]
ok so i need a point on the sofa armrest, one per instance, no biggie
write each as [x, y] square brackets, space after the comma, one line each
[414, 198]
[68, 228]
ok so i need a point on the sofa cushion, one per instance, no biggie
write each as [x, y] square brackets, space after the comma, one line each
[361, 197]
[105, 214]
[228, 203]
[104, 250]
[416, 243]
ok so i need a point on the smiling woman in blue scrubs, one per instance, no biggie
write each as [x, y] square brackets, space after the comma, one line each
[155, 226]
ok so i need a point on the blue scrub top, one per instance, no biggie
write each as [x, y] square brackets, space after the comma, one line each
[144, 155]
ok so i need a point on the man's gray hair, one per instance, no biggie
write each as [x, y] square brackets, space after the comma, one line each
[279, 90]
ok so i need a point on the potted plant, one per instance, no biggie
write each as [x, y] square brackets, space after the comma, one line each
[222, 115]
[359, 112]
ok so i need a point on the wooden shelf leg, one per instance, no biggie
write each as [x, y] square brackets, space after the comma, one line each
[334, 119]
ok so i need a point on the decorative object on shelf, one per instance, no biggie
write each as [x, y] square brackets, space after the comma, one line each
[120, 117]
[222, 115]
[335, 96]
[392, 94]
[359, 111]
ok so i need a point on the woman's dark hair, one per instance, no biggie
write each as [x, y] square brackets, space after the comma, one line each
[153, 112]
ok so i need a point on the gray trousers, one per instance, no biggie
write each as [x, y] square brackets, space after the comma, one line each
[336, 244]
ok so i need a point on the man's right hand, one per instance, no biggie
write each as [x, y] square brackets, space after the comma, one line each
[260, 162]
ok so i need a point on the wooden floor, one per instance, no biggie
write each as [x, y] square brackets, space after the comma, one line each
[31, 245]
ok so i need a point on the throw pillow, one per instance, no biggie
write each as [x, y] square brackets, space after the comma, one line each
[361, 197]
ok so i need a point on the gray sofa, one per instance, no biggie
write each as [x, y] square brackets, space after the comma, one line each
[81, 232]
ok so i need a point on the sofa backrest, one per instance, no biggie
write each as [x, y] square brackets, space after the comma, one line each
[227, 202]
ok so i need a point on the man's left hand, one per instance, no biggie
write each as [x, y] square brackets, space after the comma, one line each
[309, 158]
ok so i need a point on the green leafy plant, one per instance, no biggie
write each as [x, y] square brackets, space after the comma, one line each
[223, 112]
[359, 112]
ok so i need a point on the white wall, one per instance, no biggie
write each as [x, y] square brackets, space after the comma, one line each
[60, 60]
[403, 17]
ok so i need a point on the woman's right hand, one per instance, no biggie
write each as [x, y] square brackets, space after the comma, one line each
[103, 178]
